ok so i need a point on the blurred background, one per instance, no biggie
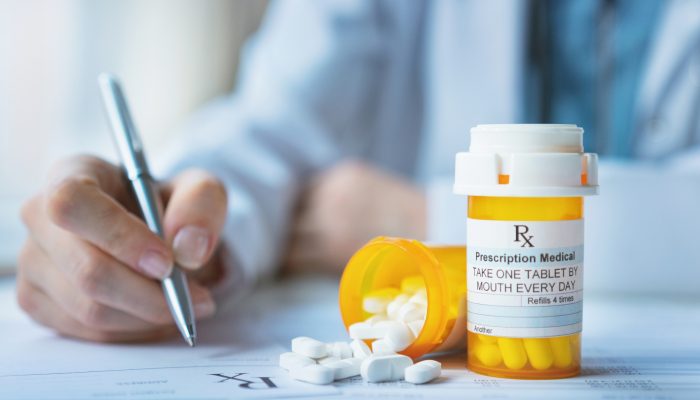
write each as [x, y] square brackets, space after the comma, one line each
[173, 55]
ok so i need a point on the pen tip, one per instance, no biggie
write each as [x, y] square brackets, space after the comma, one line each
[191, 336]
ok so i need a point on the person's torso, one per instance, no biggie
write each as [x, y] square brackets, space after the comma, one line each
[471, 67]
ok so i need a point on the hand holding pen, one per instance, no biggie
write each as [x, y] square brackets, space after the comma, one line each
[91, 268]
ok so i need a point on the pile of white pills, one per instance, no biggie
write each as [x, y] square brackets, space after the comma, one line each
[397, 319]
[321, 363]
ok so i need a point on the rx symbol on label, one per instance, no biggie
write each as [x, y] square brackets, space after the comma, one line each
[521, 235]
[263, 383]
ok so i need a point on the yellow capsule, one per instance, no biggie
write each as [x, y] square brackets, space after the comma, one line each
[576, 347]
[575, 341]
[539, 351]
[412, 284]
[561, 347]
[487, 354]
[487, 339]
[513, 352]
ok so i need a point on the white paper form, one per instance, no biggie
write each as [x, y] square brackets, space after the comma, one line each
[633, 349]
[236, 357]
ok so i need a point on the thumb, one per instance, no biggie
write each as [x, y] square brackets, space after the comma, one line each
[194, 215]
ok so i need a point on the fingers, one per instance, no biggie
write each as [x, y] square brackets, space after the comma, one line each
[93, 170]
[99, 277]
[41, 274]
[104, 279]
[78, 203]
[194, 216]
[43, 310]
[37, 271]
[82, 268]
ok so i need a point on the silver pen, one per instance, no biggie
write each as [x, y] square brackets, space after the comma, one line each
[133, 161]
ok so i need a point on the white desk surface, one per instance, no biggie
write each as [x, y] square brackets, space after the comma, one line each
[632, 349]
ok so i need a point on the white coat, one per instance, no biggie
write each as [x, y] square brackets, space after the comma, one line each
[399, 84]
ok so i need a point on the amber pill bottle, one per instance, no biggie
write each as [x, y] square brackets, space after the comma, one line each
[525, 186]
[385, 262]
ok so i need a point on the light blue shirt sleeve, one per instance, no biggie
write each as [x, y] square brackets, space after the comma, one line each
[301, 86]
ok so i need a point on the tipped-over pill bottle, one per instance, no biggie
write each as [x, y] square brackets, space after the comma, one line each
[405, 280]
[525, 186]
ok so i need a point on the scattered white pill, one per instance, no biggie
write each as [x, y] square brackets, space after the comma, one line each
[381, 327]
[399, 335]
[365, 330]
[345, 368]
[416, 326]
[376, 318]
[314, 373]
[309, 347]
[421, 297]
[340, 350]
[422, 372]
[384, 368]
[392, 309]
[326, 360]
[375, 302]
[411, 312]
[292, 360]
[360, 349]
[397, 319]
[382, 347]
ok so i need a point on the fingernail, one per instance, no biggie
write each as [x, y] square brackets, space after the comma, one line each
[190, 246]
[155, 264]
[204, 308]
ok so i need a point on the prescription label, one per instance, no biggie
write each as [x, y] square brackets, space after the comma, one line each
[524, 278]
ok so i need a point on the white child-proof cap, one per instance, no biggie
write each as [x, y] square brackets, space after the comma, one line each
[540, 160]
